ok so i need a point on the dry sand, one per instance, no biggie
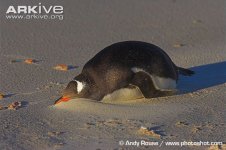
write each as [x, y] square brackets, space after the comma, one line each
[191, 32]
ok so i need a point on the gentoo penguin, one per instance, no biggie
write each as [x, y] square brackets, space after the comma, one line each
[126, 64]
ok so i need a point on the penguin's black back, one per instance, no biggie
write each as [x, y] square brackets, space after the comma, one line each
[130, 54]
[111, 68]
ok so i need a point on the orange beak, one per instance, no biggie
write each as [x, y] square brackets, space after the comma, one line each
[62, 99]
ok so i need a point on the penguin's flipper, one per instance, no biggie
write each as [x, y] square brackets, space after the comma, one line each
[144, 82]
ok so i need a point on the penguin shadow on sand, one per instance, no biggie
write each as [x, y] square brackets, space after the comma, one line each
[205, 76]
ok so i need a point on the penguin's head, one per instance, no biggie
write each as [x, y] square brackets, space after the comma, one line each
[74, 89]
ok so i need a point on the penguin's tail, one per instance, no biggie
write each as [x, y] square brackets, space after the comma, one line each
[185, 72]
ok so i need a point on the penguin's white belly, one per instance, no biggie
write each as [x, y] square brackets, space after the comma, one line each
[123, 94]
[160, 83]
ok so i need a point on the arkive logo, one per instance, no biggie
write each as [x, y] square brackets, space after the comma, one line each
[35, 9]
[39, 11]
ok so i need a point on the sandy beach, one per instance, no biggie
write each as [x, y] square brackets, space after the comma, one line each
[191, 32]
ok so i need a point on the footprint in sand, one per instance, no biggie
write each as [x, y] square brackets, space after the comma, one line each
[54, 135]
[59, 145]
[132, 126]
[51, 85]
[206, 126]
[195, 129]
[181, 124]
[115, 123]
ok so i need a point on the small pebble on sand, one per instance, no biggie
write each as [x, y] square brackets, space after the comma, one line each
[29, 61]
[61, 67]
[146, 131]
[1, 96]
[196, 21]
[178, 45]
[15, 105]
[1, 107]
[54, 133]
